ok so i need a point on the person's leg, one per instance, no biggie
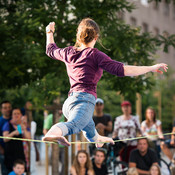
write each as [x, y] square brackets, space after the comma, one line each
[91, 135]
[78, 108]
[61, 159]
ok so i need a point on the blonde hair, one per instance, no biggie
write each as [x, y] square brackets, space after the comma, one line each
[76, 164]
[157, 166]
[132, 171]
[87, 30]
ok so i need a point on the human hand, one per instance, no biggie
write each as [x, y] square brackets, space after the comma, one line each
[16, 133]
[156, 67]
[50, 27]
[100, 126]
[23, 126]
[172, 143]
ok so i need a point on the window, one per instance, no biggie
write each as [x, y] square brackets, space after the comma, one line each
[133, 21]
[173, 11]
[145, 27]
[166, 9]
[166, 35]
[156, 5]
[156, 31]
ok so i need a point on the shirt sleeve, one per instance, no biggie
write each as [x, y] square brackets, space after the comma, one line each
[109, 118]
[109, 65]
[48, 122]
[153, 156]
[116, 126]
[54, 52]
[132, 157]
[158, 123]
[6, 127]
[143, 127]
[138, 124]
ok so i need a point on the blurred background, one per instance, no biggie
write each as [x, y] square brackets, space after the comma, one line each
[135, 32]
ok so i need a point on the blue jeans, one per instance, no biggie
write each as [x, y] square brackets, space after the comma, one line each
[78, 109]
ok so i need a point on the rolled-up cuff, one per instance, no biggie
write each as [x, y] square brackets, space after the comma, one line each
[93, 139]
[63, 128]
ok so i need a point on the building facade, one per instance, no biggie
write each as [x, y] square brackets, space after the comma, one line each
[157, 18]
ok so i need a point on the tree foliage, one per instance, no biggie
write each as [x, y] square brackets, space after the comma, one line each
[22, 51]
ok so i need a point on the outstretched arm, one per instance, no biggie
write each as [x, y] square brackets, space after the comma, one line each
[139, 70]
[49, 33]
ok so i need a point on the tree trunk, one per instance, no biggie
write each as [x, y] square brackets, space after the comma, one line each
[55, 147]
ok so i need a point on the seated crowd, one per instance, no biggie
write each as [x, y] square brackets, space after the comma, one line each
[141, 155]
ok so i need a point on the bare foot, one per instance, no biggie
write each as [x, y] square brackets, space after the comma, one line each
[102, 140]
[60, 139]
[55, 135]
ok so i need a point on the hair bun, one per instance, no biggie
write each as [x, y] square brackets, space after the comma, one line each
[87, 35]
[86, 32]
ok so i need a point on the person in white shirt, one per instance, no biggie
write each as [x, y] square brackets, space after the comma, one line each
[126, 126]
[152, 128]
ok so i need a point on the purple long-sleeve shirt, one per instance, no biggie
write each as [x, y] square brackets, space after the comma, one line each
[85, 67]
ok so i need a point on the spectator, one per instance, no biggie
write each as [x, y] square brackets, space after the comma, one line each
[82, 164]
[143, 157]
[48, 122]
[14, 148]
[152, 128]
[103, 122]
[132, 171]
[24, 125]
[34, 153]
[155, 170]
[126, 126]
[99, 166]
[18, 167]
[173, 135]
[6, 116]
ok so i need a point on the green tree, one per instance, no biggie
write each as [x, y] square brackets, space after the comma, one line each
[22, 38]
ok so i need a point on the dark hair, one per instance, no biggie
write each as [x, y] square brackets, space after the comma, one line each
[3, 102]
[17, 109]
[87, 30]
[144, 138]
[18, 161]
[102, 150]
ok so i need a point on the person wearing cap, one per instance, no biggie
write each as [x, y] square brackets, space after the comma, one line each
[103, 122]
[126, 126]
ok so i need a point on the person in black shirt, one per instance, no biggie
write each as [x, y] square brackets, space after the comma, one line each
[103, 122]
[99, 166]
[143, 157]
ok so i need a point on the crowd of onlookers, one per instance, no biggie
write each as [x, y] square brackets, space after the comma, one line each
[142, 155]
[15, 157]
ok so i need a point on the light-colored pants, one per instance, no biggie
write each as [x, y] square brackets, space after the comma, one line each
[78, 109]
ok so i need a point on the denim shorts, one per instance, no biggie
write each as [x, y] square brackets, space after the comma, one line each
[78, 109]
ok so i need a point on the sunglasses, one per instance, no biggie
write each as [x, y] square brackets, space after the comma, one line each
[99, 104]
